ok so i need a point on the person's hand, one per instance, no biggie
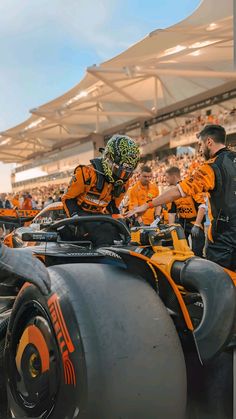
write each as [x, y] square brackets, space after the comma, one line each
[18, 266]
[155, 222]
[136, 211]
[195, 231]
[74, 215]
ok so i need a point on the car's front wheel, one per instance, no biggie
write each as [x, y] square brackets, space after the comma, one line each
[102, 346]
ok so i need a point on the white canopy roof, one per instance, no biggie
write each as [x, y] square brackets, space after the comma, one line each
[164, 70]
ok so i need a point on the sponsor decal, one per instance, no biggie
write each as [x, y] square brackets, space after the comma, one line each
[107, 252]
[94, 199]
[80, 254]
[43, 220]
[186, 210]
[18, 213]
[64, 341]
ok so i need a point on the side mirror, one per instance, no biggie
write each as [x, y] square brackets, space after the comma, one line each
[44, 236]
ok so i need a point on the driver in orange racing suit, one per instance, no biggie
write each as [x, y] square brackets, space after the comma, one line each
[100, 187]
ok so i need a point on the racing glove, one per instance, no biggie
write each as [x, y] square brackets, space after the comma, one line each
[18, 266]
[155, 222]
[195, 231]
[74, 215]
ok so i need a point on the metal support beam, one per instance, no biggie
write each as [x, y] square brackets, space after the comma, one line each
[180, 110]
[122, 93]
[111, 113]
[166, 71]
[155, 93]
[98, 69]
[9, 154]
[164, 86]
[97, 118]
[54, 114]
[11, 149]
[189, 73]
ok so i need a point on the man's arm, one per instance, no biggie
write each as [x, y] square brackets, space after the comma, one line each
[157, 212]
[171, 217]
[158, 209]
[76, 187]
[202, 180]
[167, 196]
[200, 215]
[172, 213]
[197, 227]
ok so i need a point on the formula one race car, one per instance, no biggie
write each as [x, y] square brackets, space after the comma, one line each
[35, 221]
[140, 329]
[13, 218]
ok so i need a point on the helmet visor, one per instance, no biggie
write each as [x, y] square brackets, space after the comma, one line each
[122, 172]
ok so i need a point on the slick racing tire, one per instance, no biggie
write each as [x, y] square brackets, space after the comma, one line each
[3, 393]
[102, 346]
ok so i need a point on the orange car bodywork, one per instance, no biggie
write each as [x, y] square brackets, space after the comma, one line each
[8, 239]
[13, 213]
[163, 259]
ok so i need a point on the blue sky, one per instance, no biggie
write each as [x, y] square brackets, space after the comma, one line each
[45, 46]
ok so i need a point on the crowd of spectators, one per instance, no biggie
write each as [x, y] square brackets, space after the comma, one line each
[189, 126]
[38, 198]
[187, 163]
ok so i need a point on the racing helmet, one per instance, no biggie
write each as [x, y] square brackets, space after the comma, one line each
[120, 158]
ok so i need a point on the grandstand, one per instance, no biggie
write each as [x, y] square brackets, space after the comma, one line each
[160, 91]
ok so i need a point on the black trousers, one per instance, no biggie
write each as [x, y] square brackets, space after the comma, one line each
[198, 243]
[223, 250]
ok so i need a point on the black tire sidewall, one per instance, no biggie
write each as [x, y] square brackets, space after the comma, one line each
[127, 356]
[70, 397]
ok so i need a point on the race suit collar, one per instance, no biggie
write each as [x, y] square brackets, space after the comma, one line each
[221, 150]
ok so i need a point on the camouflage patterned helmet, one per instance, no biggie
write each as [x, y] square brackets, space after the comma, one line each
[120, 158]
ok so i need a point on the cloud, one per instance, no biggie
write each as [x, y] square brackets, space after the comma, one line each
[46, 45]
[80, 21]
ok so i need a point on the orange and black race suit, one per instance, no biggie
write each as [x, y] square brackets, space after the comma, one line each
[89, 193]
[218, 177]
[186, 209]
[139, 195]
